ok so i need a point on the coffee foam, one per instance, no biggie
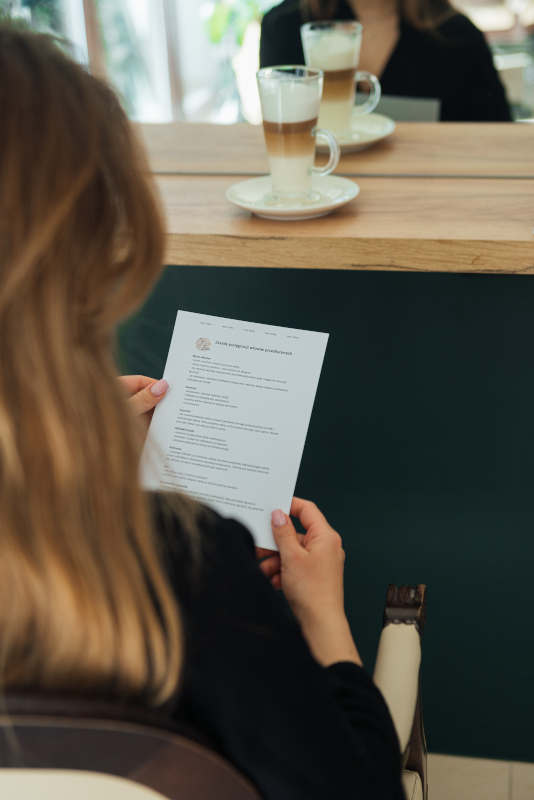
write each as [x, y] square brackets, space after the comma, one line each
[289, 101]
[331, 51]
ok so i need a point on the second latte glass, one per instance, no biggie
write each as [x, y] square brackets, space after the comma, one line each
[334, 46]
[290, 97]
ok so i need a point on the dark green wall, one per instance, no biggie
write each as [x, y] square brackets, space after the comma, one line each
[421, 452]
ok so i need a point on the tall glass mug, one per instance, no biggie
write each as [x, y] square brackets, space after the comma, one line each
[334, 47]
[290, 97]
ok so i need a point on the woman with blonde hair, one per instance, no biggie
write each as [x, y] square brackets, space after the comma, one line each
[417, 48]
[106, 590]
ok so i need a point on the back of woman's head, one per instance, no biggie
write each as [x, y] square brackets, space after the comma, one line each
[83, 598]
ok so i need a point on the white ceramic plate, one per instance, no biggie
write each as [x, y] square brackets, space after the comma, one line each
[330, 192]
[366, 130]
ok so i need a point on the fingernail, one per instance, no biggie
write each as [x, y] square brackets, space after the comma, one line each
[159, 388]
[279, 518]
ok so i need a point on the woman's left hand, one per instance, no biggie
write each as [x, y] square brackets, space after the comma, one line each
[143, 394]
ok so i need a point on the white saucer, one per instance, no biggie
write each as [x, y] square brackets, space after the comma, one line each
[330, 192]
[366, 130]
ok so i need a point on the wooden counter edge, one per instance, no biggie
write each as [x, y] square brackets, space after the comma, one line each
[409, 255]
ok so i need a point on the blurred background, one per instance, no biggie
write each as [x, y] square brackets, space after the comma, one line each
[196, 59]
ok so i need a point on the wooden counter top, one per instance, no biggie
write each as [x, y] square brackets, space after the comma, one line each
[414, 149]
[436, 225]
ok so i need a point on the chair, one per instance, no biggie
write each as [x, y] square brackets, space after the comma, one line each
[64, 748]
[410, 109]
[406, 109]
[397, 675]
[59, 748]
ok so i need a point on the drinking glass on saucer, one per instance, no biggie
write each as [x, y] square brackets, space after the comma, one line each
[296, 189]
[334, 47]
[290, 97]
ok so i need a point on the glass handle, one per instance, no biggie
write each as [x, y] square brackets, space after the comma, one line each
[374, 95]
[333, 161]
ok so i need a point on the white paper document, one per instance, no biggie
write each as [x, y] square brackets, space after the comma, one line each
[231, 430]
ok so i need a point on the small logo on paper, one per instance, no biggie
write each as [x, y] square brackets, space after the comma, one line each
[203, 344]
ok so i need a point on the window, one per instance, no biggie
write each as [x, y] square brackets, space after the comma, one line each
[168, 59]
[196, 59]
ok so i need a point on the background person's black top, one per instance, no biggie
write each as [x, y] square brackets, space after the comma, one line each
[251, 686]
[453, 64]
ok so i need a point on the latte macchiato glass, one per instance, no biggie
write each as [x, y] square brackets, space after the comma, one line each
[290, 97]
[334, 47]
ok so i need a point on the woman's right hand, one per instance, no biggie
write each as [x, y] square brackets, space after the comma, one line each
[311, 576]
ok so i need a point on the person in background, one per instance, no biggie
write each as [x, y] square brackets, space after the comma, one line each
[417, 48]
[107, 590]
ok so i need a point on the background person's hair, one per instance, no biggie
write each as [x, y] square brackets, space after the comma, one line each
[422, 14]
[84, 600]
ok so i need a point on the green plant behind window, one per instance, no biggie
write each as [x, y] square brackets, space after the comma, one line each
[234, 17]
[44, 14]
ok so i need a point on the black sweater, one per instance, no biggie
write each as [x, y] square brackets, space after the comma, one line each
[453, 64]
[251, 686]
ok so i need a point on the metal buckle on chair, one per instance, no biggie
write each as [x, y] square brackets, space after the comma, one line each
[406, 605]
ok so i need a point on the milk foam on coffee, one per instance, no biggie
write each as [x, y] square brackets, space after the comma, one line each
[333, 51]
[290, 109]
[289, 101]
[337, 54]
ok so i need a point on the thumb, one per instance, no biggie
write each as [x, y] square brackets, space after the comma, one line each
[149, 397]
[284, 534]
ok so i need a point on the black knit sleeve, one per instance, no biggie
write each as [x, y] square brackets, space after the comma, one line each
[268, 44]
[478, 95]
[361, 703]
[280, 36]
[252, 687]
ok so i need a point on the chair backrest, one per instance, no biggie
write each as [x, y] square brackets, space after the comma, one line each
[408, 109]
[399, 656]
[59, 742]
[397, 675]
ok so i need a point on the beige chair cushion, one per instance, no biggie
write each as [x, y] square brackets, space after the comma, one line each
[397, 675]
[412, 785]
[51, 784]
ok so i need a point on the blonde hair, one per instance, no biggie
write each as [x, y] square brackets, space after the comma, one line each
[422, 14]
[84, 599]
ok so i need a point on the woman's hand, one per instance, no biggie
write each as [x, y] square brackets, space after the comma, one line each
[143, 394]
[311, 577]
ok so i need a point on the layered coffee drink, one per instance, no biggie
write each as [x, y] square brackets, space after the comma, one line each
[337, 55]
[288, 124]
[290, 98]
[334, 47]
